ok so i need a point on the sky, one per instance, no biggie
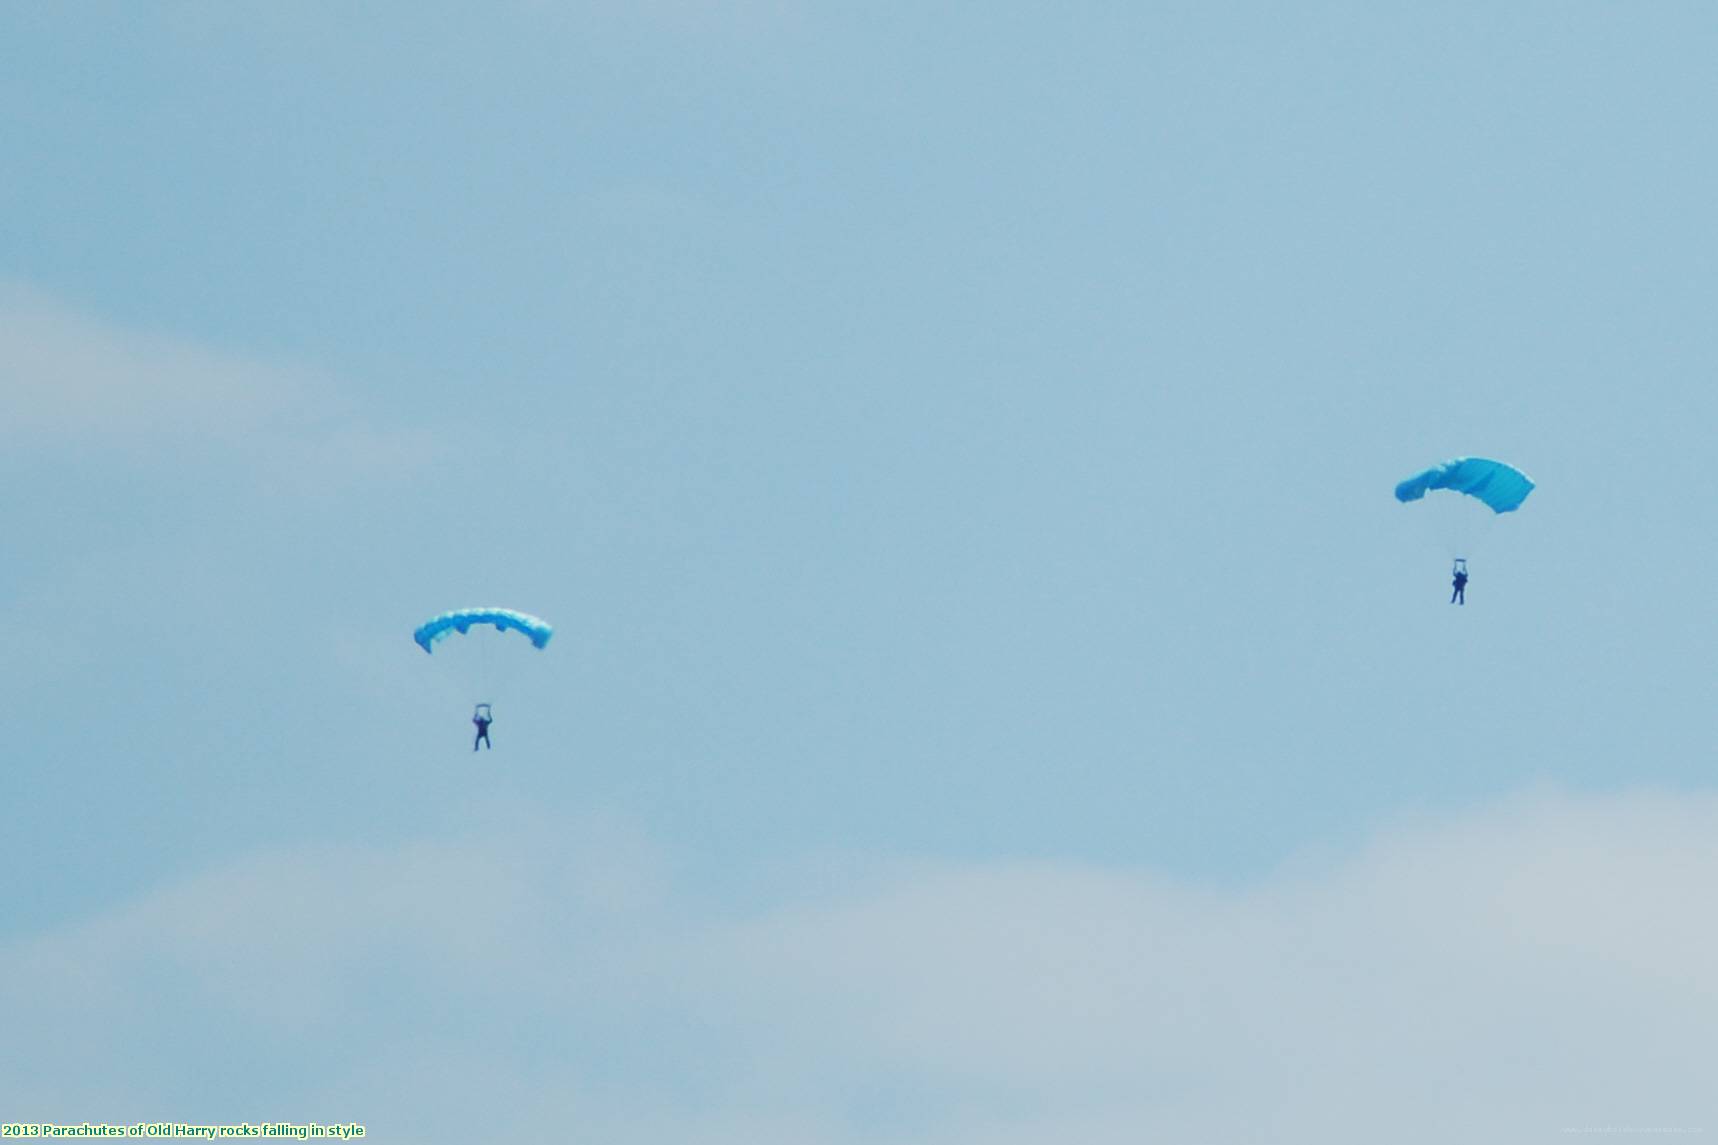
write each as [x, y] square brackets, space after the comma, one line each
[995, 697]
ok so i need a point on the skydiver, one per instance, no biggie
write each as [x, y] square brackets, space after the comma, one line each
[482, 719]
[1459, 581]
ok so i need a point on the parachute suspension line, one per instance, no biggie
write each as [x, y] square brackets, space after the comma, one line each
[483, 677]
[1460, 525]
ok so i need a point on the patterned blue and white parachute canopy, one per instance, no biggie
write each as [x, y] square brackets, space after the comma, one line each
[463, 620]
[1501, 487]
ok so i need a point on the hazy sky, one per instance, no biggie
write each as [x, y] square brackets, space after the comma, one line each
[995, 696]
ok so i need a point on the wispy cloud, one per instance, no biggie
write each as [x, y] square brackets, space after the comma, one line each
[69, 378]
[1544, 965]
[68, 374]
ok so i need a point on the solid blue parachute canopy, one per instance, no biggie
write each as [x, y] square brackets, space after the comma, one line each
[1503, 487]
[535, 629]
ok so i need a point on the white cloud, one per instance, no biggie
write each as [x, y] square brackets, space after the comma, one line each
[68, 378]
[1542, 965]
[1545, 965]
[70, 375]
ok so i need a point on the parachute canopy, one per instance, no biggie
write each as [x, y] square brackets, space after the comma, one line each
[535, 629]
[1502, 487]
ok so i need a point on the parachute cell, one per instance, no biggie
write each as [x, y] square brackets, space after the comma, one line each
[1501, 487]
[462, 621]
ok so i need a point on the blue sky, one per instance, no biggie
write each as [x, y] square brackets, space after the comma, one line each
[995, 696]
